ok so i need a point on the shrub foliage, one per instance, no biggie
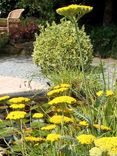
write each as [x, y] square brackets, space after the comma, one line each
[4, 39]
[24, 32]
[56, 48]
[104, 40]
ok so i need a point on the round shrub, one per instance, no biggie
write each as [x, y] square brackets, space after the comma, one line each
[56, 48]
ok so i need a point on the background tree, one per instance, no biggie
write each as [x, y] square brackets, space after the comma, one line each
[104, 12]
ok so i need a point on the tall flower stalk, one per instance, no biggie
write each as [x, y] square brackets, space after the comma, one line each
[74, 12]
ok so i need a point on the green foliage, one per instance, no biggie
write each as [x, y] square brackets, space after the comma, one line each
[39, 8]
[6, 6]
[3, 39]
[56, 48]
[97, 119]
[104, 40]
[75, 78]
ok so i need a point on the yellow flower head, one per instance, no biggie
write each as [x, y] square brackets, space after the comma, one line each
[95, 151]
[15, 115]
[86, 138]
[101, 127]
[109, 93]
[17, 106]
[63, 85]
[56, 91]
[113, 151]
[37, 115]
[106, 143]
[73, 10]
[53, 137]
[58, 119]
[34, 139]
[100, 93]
[62, 100]
[4, 98]
[83, 123]
[18, 100]
[49, 127]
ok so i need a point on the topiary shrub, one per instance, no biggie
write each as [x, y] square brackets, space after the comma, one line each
[56, 48]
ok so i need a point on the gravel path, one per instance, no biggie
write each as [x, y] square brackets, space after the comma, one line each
[19, 74]
[110, 70]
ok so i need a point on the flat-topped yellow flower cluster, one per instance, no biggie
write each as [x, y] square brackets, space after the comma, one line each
[61, 88]
[73, 10]
[15, 115]
[18, 100]
[62, 100]
[106, 93]
[107, 144]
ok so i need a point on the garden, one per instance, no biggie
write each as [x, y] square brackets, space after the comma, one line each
[77, 116]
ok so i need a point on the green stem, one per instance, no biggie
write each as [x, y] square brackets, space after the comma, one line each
[103, 76]
[81, 57]
[8, 145]
[24, 153]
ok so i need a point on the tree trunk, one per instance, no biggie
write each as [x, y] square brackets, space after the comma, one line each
[107, 19]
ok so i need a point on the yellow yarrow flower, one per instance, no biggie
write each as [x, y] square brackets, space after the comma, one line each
[15, 115]
[102, 127]
[56, 91]
[62, 100]
[33, 139]
[38, 115]
[17, 106]
[100, 93]
[86, 138]
[63, 85]
[113, 151]
[4, 98]
[18, 100]
[106, 143]
[95, 151]
[58, 119]
[49, 127]
[53, 137]
[83, 123]
[109, 93]
[73, 10]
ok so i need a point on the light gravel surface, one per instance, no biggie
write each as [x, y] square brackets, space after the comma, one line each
[110, 70]
[21, 67]
[19, 74]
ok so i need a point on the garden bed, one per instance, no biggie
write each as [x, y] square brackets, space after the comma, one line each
[17, 49]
